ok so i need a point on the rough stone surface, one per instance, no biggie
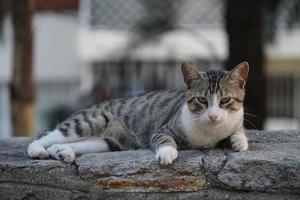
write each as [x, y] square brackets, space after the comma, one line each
[269, 170]
[137, 171]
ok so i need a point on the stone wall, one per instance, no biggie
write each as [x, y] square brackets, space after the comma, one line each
[269, 170]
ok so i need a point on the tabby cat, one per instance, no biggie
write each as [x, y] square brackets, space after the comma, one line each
[209, 110]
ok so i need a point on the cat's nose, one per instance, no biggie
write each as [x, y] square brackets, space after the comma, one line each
[213, 117]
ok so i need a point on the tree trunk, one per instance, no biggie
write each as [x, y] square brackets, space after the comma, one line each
[22, 89]
[245, 34]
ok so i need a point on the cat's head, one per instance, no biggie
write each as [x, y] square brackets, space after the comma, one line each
[213, 96]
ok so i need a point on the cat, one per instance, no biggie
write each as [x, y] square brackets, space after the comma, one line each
[207, 111]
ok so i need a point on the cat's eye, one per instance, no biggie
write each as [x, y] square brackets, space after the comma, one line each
[225, 100]
[201, 100]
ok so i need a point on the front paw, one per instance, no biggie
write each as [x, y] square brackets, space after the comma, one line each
[62, 152]
[166, 155]
[36, 150]
[239, 142]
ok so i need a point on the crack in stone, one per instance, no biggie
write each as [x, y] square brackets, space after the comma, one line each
[224, 163]
[211, 175]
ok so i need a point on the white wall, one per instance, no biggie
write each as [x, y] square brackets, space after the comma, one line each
[55, 60]
[5, 50]
[5, 63]
[56, 46]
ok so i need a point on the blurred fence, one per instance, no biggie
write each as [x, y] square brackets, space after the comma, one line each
[150, 60]
[283, 95]
[136, 15]
[131, 77]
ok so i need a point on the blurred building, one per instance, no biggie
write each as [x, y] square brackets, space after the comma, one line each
[146, 41]
[120, 58]
[110, 49]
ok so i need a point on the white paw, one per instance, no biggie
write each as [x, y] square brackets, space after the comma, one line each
[36, 150]
[61, 152]
[239, 143]
[166, 155]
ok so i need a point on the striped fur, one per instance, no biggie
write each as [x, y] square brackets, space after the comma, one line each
[173, 119]
[141, 114]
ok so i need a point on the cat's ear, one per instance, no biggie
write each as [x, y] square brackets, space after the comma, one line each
[190, 74]
[240, 73]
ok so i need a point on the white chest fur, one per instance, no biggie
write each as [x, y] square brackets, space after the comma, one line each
[201, 135]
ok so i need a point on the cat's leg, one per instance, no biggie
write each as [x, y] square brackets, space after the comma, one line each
[119, 137]
[37, 149]
[116, 137]
[79, 125]
[67, 152]
[239, 141]
[165, 146]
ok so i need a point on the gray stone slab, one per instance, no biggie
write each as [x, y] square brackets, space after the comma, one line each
[138, 171]
[270, 169]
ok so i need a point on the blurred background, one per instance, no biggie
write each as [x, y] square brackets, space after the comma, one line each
[57, 56]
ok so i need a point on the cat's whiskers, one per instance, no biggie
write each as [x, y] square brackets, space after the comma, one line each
[196, 119]
[250, 115]
[250, 123]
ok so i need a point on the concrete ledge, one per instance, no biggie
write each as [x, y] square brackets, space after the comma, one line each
[269, 170]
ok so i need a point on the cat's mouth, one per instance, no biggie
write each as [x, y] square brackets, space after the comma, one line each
[209, 122]
[213, 123]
